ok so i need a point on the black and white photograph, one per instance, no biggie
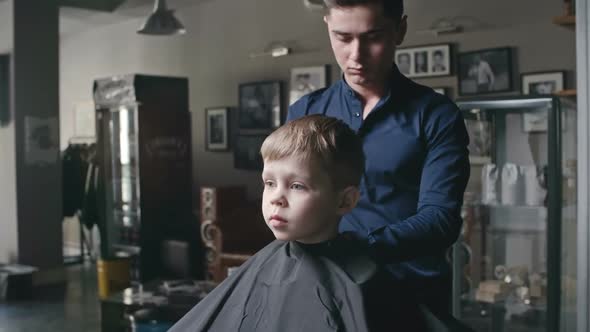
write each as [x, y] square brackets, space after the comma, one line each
[307, 79]
[217, 129]
[424, 61]
[542, 83]
[404, 62]
[485, 71]
[421, 62]
[260, 105]
[247, 152]
[439, 61]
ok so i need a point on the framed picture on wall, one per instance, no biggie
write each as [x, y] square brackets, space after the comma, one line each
[260, 105]
[247, 151]
[424, 61]
[485, 71]
[307, 79]
[542, 83]
[217, 129]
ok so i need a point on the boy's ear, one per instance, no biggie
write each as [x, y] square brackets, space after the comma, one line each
[349, 196]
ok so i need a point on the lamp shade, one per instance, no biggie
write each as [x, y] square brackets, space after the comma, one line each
[162, 21]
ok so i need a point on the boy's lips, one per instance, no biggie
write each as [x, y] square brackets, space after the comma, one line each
[277, 221]
[277, 218]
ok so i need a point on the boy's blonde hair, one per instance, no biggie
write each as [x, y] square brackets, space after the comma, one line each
[330, 141]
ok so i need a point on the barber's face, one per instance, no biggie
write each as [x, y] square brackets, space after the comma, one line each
[364, 42]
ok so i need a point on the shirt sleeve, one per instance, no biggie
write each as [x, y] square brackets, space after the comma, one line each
[445, 173]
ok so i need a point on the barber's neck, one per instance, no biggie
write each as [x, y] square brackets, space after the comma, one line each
[374, 89]
[366, 92]
[370, 93]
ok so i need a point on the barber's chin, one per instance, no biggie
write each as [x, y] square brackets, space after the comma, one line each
[355, 77]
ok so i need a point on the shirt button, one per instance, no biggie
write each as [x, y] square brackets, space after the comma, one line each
[357, 114]
[350, 93]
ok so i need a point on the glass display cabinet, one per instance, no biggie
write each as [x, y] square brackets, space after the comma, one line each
[514, 265]
[144, 153]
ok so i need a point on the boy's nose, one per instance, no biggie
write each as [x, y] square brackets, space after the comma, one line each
[279, 200]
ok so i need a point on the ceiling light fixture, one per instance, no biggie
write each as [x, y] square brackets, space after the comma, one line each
[162, 21]
[274, 50]
[314, 4]
[442, 26]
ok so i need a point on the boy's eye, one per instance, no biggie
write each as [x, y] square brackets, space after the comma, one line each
[269, 183]
[297, 186]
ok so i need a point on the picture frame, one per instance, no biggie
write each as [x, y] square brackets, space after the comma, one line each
[542, 83]
[217, 128]
[260, 105]
[247, 151]
[307, 79]
[485, 71]
[424, 61]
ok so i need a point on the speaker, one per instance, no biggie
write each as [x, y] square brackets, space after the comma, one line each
[217, 202]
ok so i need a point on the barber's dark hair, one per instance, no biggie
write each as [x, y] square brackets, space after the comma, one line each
[391, 8]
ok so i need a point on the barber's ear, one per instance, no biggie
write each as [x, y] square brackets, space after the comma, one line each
[402, 29]
[326, 18]
[349, 197]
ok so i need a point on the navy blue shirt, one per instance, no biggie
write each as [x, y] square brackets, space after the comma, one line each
[416, 171]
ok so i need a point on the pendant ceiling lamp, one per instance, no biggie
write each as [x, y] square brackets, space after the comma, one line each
[162, 21]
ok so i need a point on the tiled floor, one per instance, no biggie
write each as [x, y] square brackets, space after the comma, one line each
[73, 307]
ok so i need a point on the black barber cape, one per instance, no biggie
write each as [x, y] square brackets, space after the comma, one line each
[290, 286]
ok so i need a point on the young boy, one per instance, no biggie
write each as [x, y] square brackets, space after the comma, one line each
[310, 278]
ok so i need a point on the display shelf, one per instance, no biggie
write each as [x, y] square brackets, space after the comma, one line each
[479, 160]
[529, 239]
[518, 218]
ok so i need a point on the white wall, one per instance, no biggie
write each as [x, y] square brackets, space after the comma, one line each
[524, 25]
[6, 24]
[8, 214]
[221, 34]
[106, 51]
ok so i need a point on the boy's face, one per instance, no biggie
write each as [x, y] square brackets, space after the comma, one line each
[299, 201]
